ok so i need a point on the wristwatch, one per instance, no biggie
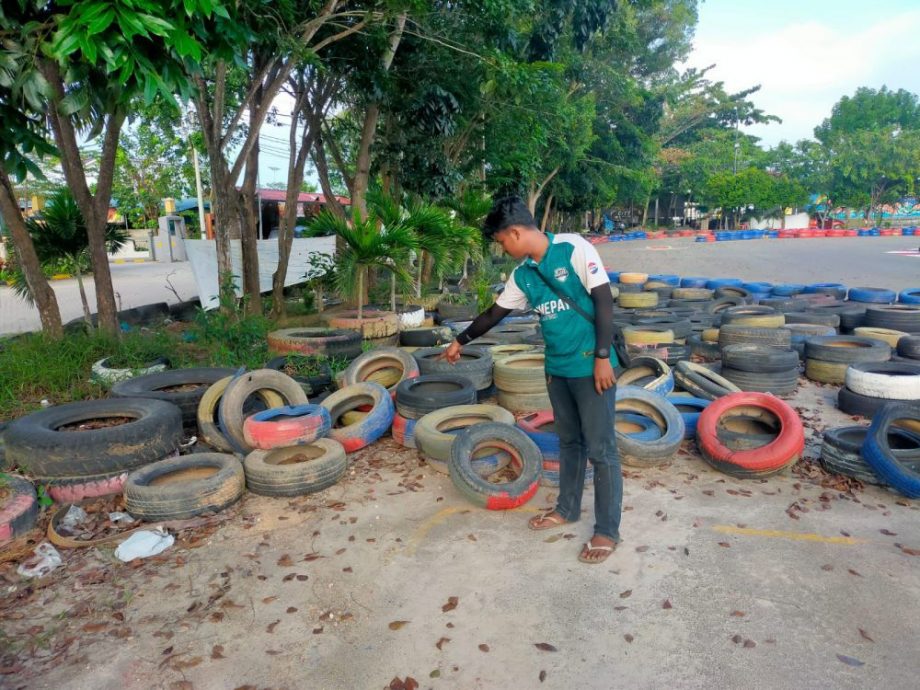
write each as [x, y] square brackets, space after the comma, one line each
[602, 353]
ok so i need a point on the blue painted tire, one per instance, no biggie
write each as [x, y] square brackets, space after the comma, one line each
[872, 295]
[662, 381]
[835, 290]
[757, 287]
[689, 409]
[878, 453]
[377, 422]
[613, 276]
[693, 282]
[649, 453]
[649, 430]
[714, 283]
[667, 278]
[911, 296]
[787, 289]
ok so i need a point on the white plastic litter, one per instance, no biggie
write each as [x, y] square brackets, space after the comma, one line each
[144, 544]
[45, 559]
[122, 517]
[74, 516]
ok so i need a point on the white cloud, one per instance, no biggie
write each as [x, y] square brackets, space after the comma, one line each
[805, 67]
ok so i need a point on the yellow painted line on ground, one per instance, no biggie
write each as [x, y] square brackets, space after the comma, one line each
[782, 534]
[441, 516]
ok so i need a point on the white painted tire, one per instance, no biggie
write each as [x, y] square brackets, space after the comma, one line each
[107, 375]
[411, 319]
[887, 380]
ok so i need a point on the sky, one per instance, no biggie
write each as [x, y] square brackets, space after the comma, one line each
[806, 54]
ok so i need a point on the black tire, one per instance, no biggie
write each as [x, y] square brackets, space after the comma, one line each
[841, 451]
[741, 312]
[474, 363]
[512, 334]
[525, 456]
[457, 312]
[902, 475]
[909, 346]
[721, 304]
[814, 317]
[744, 335]
[232, 402]
[862, 405]
[898, 317]
[703, 349]
[159, 492]
[852, 318]
[417, 397]
[734, 291]
[681, 328]
[184, 311]
[192, 384]
[847, 349]
[35, 444]
[311, 385]
[760, 359]
[329, 342]
[784, 304]
[702, 382]
[280, 472]
[778, 383]
[19, 508]
[425, 337]
[635, 452]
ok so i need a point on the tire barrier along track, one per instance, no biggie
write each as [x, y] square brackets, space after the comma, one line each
[784, 450]
[525, 459]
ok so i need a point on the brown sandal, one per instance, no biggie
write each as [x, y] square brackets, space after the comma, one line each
[589, 545]
[549, 516]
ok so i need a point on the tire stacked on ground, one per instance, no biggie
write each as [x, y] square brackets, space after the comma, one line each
[909, 347]
[638, 452]
[295, 470]
[780, 452]
[869, 385]
[521, 383]
[208, 415]
[69, 448]
[649, 373]
[425, 336]
[183, 388]
[388, 366]
[325, 342]
[378, 327]
[436, 431]
[646, 341]
[761, 368]
[827, 358]
[106, 375]
[733, 334]
[524, 459]
[800, 332]
[456, 312]
[19, 507]
[475, 363]
[539, 426]
[689, 408]
[753, 316]
[841, 451]
[900, 474]
[702, 382]
[376, 405]
[417, 397]
[318, 382]
[872, 295]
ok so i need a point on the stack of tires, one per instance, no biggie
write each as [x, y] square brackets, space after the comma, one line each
[376, 327]
[388, 366]
[539, 427]
[827, 358]
[425, 336]
[325, 342]
[645, 341]
[869, 385]
[909, 348]
[648, 450]
[475, 364]
[702, 382]
[761, 368]
[359, 413]
[418, 396]
[521, 383]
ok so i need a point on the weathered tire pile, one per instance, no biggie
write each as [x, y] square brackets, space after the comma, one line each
[521, 382]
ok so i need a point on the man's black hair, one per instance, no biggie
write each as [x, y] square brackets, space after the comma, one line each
[505, 212]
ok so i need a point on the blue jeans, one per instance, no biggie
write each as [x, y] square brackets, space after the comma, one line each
[584, 422]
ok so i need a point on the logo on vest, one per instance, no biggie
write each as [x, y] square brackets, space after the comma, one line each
[549, 310]
[592, 267]
[561, 274]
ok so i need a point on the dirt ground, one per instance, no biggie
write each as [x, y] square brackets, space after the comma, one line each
[799, 580]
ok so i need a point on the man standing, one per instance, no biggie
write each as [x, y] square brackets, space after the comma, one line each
[563, 279]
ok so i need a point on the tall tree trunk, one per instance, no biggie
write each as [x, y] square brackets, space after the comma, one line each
[547, 211]
[421, 263]
[42, 294]
[93, 206]
[368, 131]
[252, 211]
[362, 272]
[87, 316]
[392, 291]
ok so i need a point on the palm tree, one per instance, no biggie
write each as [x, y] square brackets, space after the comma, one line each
[433, 229]
[61, 242]
[367, 244]
[470, 210]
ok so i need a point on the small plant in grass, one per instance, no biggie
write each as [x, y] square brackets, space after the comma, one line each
[44, 500]
[306, 366]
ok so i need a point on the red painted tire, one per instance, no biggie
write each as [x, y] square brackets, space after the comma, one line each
[18, 507]
[374, 425]
[532, 422]
[282, 427]
[756, 462]
[79, 489]
[404, 430]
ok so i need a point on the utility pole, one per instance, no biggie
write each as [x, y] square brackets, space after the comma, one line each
[198, 190]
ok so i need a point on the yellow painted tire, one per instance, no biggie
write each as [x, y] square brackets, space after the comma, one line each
[760, 321]
[635, 300]
[691, 293]
[887, 335]
[826, 372]
[636, 335]
[633, 278]
[710, 335]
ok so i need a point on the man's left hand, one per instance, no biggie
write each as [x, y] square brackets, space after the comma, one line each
[604, 377]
